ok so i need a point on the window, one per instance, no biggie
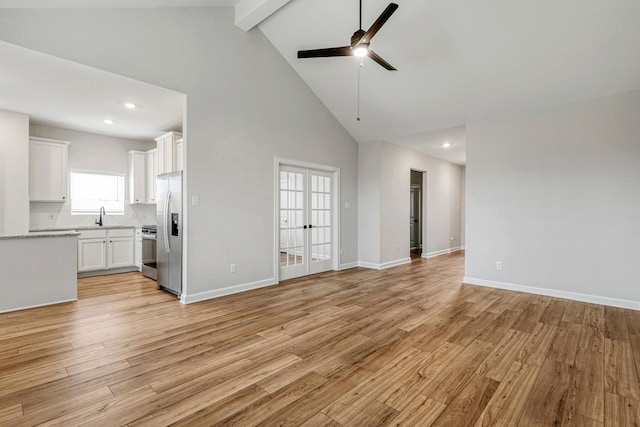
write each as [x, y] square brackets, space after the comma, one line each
[92, 190]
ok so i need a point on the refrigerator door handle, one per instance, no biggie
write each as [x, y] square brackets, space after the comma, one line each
[167, 221]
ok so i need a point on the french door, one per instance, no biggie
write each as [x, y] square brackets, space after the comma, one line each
[306, 221]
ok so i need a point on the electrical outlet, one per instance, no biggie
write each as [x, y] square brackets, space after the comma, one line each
[232, 268]
[498, 265]
[341, 251]
[397, 248]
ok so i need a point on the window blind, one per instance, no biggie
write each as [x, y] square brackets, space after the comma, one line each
[90, 191]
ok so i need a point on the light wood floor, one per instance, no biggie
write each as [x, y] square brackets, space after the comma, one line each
[405, 346]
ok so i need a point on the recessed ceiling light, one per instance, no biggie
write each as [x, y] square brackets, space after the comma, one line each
[108, 121]
[130, 105]
[446, 145]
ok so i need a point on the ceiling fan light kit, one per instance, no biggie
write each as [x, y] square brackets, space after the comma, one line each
[360, 41]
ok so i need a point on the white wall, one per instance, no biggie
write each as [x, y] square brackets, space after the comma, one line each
[245, 105]
[369, 204]
[89, 151]
[384, 191]
[555, 196]
[463, 205]
[14, 159]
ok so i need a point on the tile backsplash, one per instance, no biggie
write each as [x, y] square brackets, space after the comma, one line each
[54, 215]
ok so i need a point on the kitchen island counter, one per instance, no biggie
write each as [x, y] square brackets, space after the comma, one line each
[39, 235]
[38, 269]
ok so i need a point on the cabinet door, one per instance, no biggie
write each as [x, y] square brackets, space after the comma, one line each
[152, 167]
[92, 254]
[48, 171]
[165, 154]
[120, 252]
[138, 249]
[180, 156]
[137, 178]
[169, 154]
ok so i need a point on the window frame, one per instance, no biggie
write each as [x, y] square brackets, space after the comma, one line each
[98, 204]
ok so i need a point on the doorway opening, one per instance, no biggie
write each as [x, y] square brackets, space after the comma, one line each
[415, 214]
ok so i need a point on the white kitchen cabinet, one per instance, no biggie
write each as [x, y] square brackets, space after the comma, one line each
[138, 249]
[105, 249]
[180, 155]
[48, 170]
[92, 254]
[166, 152]
[152, 174]
[137, 177]
[120, 252]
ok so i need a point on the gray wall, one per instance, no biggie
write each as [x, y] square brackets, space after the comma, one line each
[463, 207]
[555, 196]
[384, 190]
[369, 203]
[14, 173]
[90, 151]
[245, 105]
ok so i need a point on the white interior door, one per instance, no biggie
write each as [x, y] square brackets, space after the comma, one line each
[320, 221]
[293, 223]
[306, 222]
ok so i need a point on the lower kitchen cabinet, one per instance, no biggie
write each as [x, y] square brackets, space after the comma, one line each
[92, 254]
[105, 249]
[120, 252]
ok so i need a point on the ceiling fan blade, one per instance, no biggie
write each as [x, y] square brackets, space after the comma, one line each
[323, 53]
[381, 61]
[384, 16]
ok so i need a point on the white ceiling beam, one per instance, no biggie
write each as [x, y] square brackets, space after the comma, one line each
[250, 13]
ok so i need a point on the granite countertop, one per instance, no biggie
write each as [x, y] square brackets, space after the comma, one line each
[83, 227]
[63, 231]
[40, 234]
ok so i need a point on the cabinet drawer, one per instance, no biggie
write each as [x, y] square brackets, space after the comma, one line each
[92, 234]
[121, 232]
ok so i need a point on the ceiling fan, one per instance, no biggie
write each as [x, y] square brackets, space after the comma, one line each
[359, 41]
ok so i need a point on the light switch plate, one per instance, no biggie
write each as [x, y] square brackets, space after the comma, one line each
[195, 200]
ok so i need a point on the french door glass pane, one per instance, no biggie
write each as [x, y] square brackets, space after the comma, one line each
[291, 218]
[320, 218]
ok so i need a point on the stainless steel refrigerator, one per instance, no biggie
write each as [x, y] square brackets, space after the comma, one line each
[169, 238]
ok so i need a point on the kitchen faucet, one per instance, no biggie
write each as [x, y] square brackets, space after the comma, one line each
[102, 212]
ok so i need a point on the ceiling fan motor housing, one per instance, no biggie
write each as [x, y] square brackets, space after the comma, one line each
[356, 37]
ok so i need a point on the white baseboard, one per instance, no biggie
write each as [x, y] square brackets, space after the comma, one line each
[216, 293]
[347, 266]
[85, 274]
[368, 265]
[442, 252]
[384, 265]
[9, 310]
[576, 296]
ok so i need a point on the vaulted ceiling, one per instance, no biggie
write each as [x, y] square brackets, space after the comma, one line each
[458, 61]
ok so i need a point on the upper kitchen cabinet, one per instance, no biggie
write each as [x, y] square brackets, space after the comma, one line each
[166, 152]
[137, 177]
[180, 154]
[152, 173]
[48, 170]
